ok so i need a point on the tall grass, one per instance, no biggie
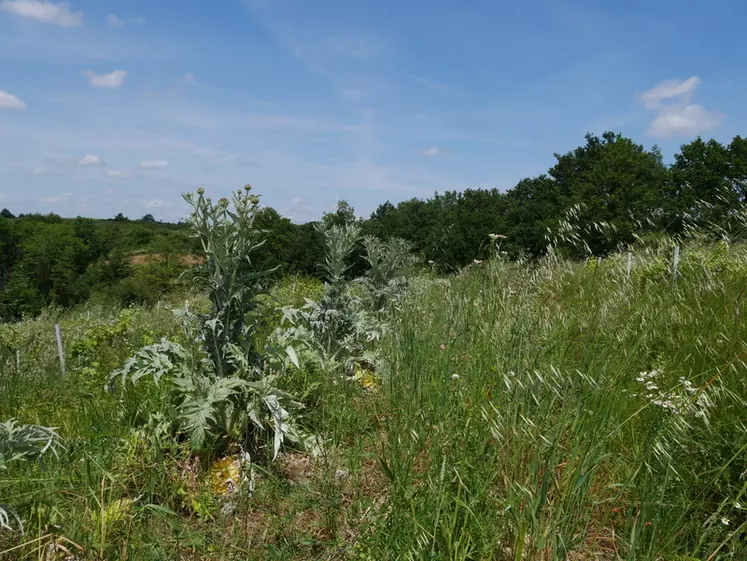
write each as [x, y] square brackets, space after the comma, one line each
[519, 423]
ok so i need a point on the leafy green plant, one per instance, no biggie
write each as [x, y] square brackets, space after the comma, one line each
[340, 241]
[222, 384]
[391, 263]
[83, 347]
[23, 442]
[337, 323]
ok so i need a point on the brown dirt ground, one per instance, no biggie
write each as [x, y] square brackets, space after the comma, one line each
[144, 258]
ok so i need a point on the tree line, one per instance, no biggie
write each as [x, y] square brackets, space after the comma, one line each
[618, 191]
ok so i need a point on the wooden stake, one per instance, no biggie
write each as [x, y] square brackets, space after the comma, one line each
[630, 265]
[59, 347]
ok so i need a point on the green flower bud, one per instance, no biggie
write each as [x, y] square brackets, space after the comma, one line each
[200, 191]
[247, 187]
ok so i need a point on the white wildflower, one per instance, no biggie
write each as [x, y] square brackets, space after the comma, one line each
[455, 376]
[738, 506]
[725, 521]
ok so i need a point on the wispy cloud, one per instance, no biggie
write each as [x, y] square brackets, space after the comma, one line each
[360, 45]
[675, 114]
[43, 11]
[90, 160]
[432, 151]
[156, 203]
[441, 88]
[50, 200]
[112, 80]
[118, 174]
[154, 164]
[678, 89]
[189, 78]
[348, 56]
[9, 101]
[114, 22]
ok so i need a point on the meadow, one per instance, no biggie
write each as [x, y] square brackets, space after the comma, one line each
[542, 410]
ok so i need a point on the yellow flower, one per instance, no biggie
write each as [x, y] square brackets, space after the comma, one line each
[225, 475]
[365, 378]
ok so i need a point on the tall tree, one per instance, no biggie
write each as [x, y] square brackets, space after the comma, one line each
[709, 180]
[532, 207]
[344, 214]
[617, 182]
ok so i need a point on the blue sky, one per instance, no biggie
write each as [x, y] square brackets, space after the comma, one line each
[112, 106]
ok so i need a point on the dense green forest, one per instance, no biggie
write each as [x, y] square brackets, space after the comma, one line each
[616, 189]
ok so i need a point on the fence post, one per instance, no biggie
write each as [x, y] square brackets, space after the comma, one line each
[59, 347]
[88, 315]
[186, 306]
[675, 263]
[599, 261]
[18, 360]
[630, 265]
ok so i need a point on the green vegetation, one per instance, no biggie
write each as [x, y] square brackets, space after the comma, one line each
[622, 191]
[585, 400]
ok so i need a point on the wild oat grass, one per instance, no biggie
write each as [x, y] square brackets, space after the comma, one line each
[519, 424]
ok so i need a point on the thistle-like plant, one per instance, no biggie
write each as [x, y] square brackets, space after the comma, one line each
[340, 242]
[221, 387]
[23, 442]
[390, 262]
[344, 321]
[228, 239]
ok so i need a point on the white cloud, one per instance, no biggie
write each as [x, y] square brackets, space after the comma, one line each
[89, 160]
[189, 78]
[154, 164]
[9, 101]
[675, 115]
[156, 203]
[118, 174]
[296, 201]
[44, 11]
[432, 151]
[113, 80]
[50, 200]
[37, 171]
[678, 89]
[139, 20]
[687, 120]
[114, 22]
